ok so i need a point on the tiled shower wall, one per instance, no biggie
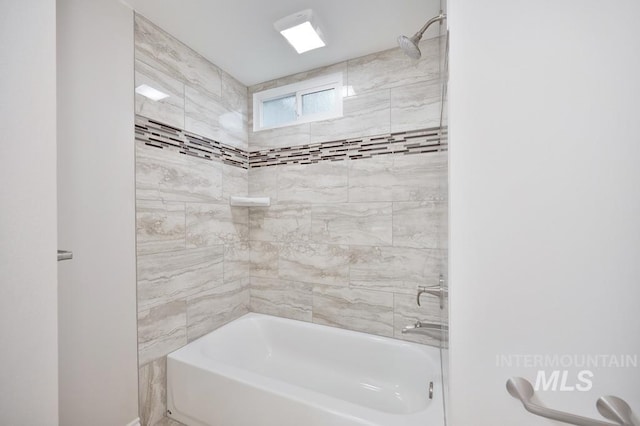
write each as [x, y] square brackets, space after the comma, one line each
[346, 243]
[193, 270]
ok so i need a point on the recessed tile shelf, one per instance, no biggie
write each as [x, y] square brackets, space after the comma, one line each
[162, 136]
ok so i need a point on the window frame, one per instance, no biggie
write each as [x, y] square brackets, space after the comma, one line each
[299, 89]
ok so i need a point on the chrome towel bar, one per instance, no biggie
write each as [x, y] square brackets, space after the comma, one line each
[611, 407]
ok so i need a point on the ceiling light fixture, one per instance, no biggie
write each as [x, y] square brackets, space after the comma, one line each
[301, 30]
[150, 92]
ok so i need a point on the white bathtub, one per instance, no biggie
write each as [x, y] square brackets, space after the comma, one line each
[261, 370]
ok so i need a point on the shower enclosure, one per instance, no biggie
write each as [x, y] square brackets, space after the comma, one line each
[357, 215]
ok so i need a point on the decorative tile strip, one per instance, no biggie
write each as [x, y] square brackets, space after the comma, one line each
[401, 143]
[154, 133]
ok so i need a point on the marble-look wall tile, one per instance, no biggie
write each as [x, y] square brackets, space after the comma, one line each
[420, 224]
[152, 391]
[352, 223]
[161, 330]
[207, 116]
[420, 177]
[291, 222]
[264, 259]
[163, 175]
[250, 120]
[165, 53]
[407, 312]
[264, 182]
[235, 182]
[202, 114]
[305, 75]
[371, 179]
[412, 177]
[237, 261]
[399, 178]
[299, 134]
[395, 269]
[168, 276]
[213, 224]
[354, 309]
[340, 67]
[315, 263]
[392, 68]
[324, 182]
[233, 129]
[234, 94]
[169, 110]
[159, 226]
[445, 320]
[281, 298]
[416, 106]
[213, 308]
[363, 114]
[445, 112]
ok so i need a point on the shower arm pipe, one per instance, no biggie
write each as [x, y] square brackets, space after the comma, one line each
[611, 407]
[439, 18]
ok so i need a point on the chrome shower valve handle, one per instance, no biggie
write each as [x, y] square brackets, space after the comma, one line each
[438, 291]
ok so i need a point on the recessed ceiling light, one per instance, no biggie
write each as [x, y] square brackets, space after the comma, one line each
[150, 92]
[301, 30]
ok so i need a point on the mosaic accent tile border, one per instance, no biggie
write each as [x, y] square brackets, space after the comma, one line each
[403, 143]
[154, 133]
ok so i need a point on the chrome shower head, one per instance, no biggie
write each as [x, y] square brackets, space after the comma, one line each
[409, 45]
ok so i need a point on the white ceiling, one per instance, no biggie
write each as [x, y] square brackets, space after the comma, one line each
[238, 35]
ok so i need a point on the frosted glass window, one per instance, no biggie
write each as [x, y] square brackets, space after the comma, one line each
[316, 99]
[279, 111]
[318, 102]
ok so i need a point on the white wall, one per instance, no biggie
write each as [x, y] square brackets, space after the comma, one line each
[98, 344]
[28, 304]
[545, 197]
